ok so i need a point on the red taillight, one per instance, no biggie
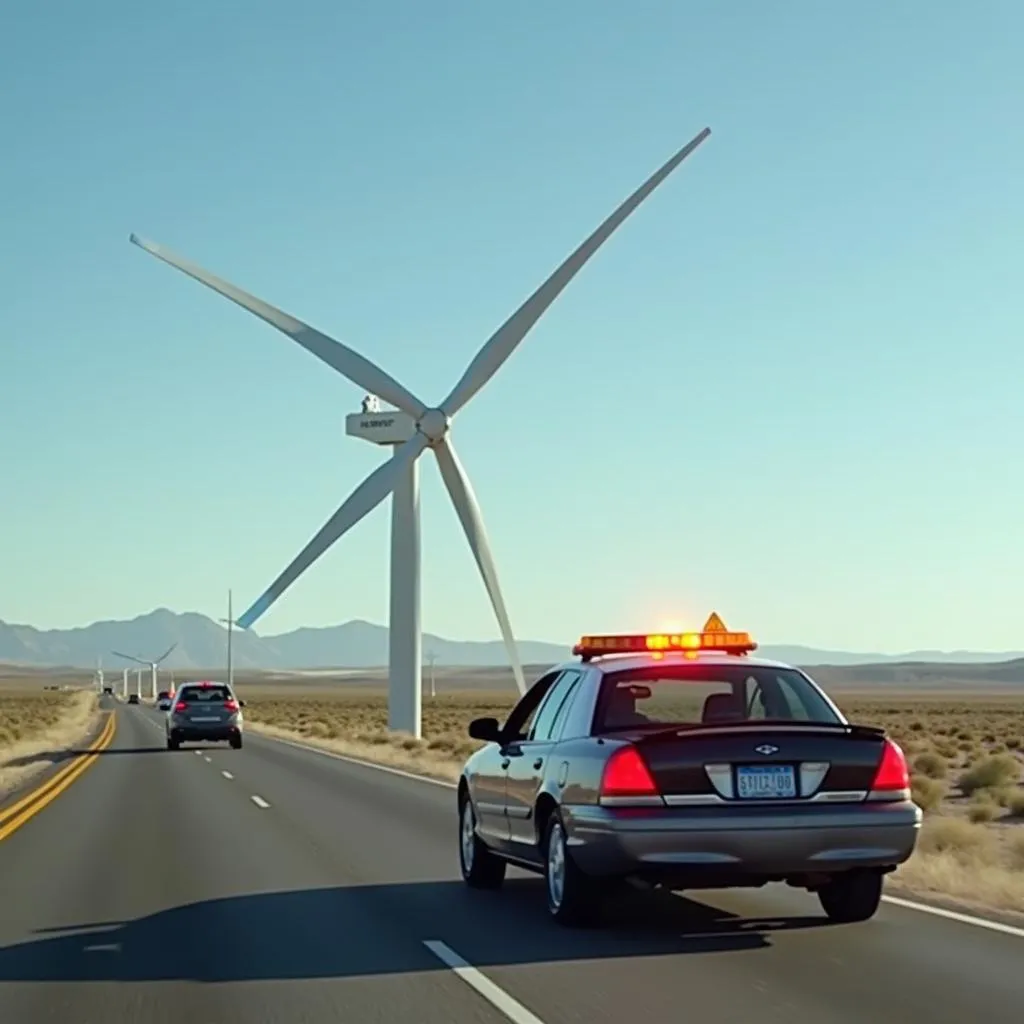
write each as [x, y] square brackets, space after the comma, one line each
[626, 774]
[892, 774]
[180, 706]
[231, 705]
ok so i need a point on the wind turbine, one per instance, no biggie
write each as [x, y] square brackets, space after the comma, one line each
[409, 430]
[152, 667]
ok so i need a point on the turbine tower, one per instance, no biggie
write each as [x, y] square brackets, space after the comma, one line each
[409, 430]
[124, 683]
[231, 623]
[153, 665]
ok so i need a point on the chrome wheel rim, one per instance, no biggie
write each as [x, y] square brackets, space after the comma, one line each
[468, 836]
[556, 866]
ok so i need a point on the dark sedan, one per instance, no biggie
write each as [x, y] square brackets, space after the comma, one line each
[683, 762]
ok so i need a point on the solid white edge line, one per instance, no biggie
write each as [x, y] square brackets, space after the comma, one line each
[497, 997]
[924, 908]
[954, 915]
[359, 761]
[259, 802]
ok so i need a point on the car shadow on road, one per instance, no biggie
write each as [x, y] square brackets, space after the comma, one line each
[373, 930]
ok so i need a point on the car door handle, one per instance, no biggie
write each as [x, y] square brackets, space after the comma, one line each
[538, 763]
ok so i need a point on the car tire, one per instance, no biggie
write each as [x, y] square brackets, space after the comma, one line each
[481, 868]
[173, 744]
[573, 898]
[236, 742]
[853, 897]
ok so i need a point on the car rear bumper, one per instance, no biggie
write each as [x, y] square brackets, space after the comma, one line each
[727, 845]
[208, 733]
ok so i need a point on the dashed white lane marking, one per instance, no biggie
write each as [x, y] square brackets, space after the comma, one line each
[497, 997]
[227, 775]
[259, 802]
[206, 759]
[199, 753]
[896, 901]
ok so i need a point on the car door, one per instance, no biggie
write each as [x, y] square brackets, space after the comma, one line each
[528, 758]
[489, 769]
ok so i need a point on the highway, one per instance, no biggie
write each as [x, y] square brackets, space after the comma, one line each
[276, 884]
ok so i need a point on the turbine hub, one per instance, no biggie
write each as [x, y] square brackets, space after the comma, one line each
[433, 425]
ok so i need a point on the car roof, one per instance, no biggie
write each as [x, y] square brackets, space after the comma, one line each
[626, 662]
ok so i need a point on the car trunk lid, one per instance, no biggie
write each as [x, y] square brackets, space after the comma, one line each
[759, 762]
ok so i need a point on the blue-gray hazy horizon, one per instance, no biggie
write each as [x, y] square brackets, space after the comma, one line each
[202, 643]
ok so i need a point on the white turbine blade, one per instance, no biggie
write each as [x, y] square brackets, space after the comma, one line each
[468, 509]
[363, 500]
[504, 341]
[164, 655]
[139, 661]
[348, 363]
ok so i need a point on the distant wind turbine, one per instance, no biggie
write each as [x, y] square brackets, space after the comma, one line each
[153, 665]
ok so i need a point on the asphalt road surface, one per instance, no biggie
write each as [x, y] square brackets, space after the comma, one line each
[274, 884]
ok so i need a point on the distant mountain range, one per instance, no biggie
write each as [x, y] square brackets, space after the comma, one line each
[202, 643]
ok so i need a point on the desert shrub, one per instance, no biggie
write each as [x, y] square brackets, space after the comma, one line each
[931, 764]
[990, 773]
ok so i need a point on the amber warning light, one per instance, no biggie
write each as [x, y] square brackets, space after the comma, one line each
[713, 637]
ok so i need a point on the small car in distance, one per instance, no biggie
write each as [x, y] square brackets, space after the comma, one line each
[163, 700]
[679, 761]
[205, 712]
[133, 698]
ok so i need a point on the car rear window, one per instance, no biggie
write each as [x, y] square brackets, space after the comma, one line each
[204, 694]
[695, 694]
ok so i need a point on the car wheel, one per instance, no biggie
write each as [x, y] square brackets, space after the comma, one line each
[573, 898]
[852, 897]
[236, 742]
[172, 744]
[481, 869]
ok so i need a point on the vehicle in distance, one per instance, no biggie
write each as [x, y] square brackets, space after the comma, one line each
[106, 689]
[163, 700]
[681, 761]
[205, 712]
[133, 698]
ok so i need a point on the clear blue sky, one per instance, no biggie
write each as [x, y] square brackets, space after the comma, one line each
[788, 389]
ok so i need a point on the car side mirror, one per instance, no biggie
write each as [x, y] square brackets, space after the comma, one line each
[241, 703]
[486, 729]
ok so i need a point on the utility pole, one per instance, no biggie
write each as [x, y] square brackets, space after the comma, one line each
[431, 657]
[231, 625]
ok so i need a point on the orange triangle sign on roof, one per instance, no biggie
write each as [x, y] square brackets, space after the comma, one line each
[714, 624]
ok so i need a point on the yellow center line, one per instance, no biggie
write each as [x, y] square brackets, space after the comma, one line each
[12, 818]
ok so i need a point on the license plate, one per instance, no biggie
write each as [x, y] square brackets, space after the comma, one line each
[204, 718]
[766, 782]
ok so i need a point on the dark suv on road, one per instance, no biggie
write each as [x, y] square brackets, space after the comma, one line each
[205, 712]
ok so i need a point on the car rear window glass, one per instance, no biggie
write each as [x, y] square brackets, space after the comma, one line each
[204, 694]
[695, 694]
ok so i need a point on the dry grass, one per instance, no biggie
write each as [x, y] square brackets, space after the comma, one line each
[967, 754]
[36, 724]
